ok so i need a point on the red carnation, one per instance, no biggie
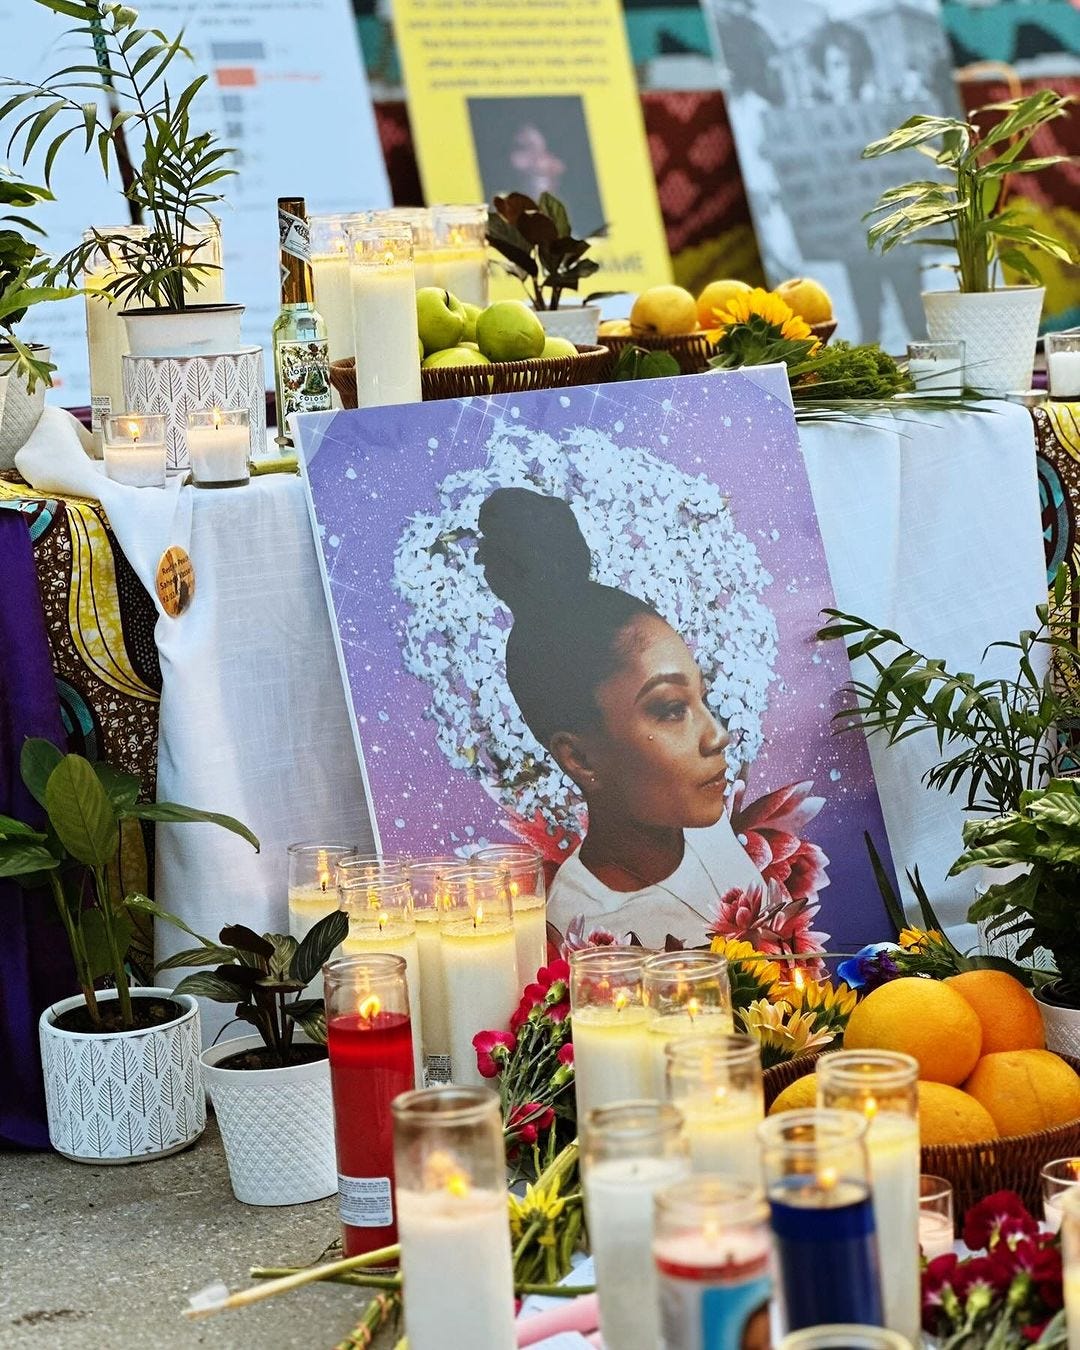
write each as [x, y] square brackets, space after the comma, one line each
[998, 1218]
[492, 1051]
[528, 1119]
[566, 1053]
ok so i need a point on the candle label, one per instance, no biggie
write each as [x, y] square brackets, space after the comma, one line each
[303, 377]
[436, 1070]
[700, 1316]
[100, 408]
[365, 1202]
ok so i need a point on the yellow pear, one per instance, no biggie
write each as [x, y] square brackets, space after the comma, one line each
[716, 296]
[807, 298]
[663, 311]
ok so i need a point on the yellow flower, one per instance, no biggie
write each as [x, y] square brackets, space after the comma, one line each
[539, 1203]
[781, 1032]
[830, 1005]
[747, 967]
[746, 304]
[920, 939]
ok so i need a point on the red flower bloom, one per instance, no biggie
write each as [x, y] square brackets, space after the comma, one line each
[492, 1051]
[566, 1053]
[999, 1217]
[770, 830]
[560, 1012]
[528, 1119]
[553, 843]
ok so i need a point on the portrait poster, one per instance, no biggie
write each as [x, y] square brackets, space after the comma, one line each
[808, 86]
[535, 98]
[686, 498]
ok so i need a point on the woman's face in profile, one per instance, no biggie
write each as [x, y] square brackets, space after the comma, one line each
[660, 754]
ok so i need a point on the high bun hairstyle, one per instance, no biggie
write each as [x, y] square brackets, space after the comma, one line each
[568, 631]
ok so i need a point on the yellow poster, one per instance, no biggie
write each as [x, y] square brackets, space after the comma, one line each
[536, 96]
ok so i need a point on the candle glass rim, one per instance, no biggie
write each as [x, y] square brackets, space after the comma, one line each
[222, 417]
[146, 420]
[1065, 342]
[855, 1336]
[505, 853]
[469, 212]
[837, 1068]
[841, 1129]
[383, 965]
[734, 1049]
[934, 348]
[656, 964]
[373, 231]
[620, 957]
[380, 864]
[932, 1187]
[312, 846]
[447, 1104]
[631, 1122]
[695, 1199]
[1046, 1174]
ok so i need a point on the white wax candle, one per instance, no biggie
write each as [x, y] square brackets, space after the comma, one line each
[936, 377]
[482, 988]
[612, 1056]
[395, 937]
[384, 335]
[464, 273]
[619, 1211]
[682, 1026]
[106, 341]
[1072, 1305]
[530, 932]
[1063, 369]
[433, 998]
[218, 453]
[333, 300]
[141, 464]
[892, 1142]
[424, 269]
[721, 1132]
[936, 1233]
[307, 905]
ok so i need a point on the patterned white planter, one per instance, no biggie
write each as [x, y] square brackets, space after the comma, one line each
[1062, 1027]
[277, 1126]
[999, 330]
[576, 323]
[178, 385]
[127, 1096]
[19, 408]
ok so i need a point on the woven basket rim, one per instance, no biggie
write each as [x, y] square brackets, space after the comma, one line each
[347, 363]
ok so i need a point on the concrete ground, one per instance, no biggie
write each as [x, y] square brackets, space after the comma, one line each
[104, 1258]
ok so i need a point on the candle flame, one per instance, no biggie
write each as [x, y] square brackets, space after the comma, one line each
[799, 979]
[870, 1107]
[323, 865]
[514, 888]
[622, 998]
[710, 1231]
[370, 1007]
[478, 917]
[720, 1093]
[442, 1171]
[693, 1007]
[458, 1184]
[217, 419]
[827, 1178]
[388, 258]
[384, 919]
[134, 430]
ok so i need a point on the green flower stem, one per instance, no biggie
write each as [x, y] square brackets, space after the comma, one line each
[355, 1277]
[555, 1290]
[78, 948]
[119, 972]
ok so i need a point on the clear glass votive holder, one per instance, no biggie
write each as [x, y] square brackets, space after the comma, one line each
[688, 994]
[134, 449]
[936, 367]
[937, 1219]
[312, 885]
[716, 1084]
[417, 220]
[461, 257]
[219, 443]
[845, 1337]
[330, 271]
[528, 894]
[1057, 1177]
[613, 1053]
[1063, 366]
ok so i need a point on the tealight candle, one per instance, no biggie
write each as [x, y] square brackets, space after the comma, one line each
[385, 335]
[1058, 1177]
[430, 902]
[689, 995]
[883, 1087]
[456, 1259]
[369, 1042]
[936, 1220]
[716, 1084]
[479, 954]
[461, 261]
[219, 443]
[628, 1152]
[135, 449]
[528, 895]
[330, 270]
[613, 1054]
[936, 367]
[1063, 365]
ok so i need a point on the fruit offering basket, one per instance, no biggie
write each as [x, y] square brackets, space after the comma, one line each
[691, 350]
[591, 366]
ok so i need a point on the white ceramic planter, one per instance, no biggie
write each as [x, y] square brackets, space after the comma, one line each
[277, 1126]
[1062, 1027]
[128, 1096]
[999, 330]
[576, 323]
[200, 330]
[19, 408]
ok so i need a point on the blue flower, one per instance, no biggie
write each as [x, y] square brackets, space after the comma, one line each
[869, 967]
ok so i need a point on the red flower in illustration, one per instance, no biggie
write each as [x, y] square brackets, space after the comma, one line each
[766, 916]
[493, 1049]
[553, 843]
[770, 829]
[577, 938]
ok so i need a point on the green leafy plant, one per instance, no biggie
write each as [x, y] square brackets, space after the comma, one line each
[76, 856]
[264, 976]
[538, 246]
[637, 363]
[966, 208]
[175, 184]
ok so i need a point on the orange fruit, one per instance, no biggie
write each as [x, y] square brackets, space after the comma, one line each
[1009, 1015]
[807, 298]
[1026, 1090]
[924, 1018]
[949, 1116]
[796, 1096]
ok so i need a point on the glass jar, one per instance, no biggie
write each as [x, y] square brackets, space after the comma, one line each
[386, 341]
[716, 1083]
[461, 258]
[613, 1054]
[524, 869]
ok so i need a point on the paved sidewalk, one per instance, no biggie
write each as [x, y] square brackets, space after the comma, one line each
[104, 1258]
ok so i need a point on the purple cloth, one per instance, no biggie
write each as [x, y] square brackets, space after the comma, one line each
[35, 964]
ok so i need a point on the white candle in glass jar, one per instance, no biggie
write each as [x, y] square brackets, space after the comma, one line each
[385, 336]
[619, 1196]
[935, 1234]
[107, 343]
[530, 933]
[307, 905]
[892, 1143]
[218, 452]
[433, 998]
[1063, 371]
[141, 464]
[395, 937]
[935, 377]
[612, 1056]
[682, 1026]
[457, 1270]
[425, 268]
[464, 273]
[333, 300]
[482, 987]
[721, 1132]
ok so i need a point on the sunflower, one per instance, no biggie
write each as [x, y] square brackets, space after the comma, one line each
[752, 974]
[831, 1005]
[762, 304]
[920, 939]
[781, 1033]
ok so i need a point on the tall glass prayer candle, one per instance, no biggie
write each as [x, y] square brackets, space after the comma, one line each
[456, 1260]
[612, 1048]
[135, 448]
[385, 335]
[1070, 1259]
[528, 894]
[845, 1337]
[479, 955]
[629, 1151]
[712, 1251]
[461, 260]
[106, 333]
[688, 995]
[379, 905]
[313, 889]
[330, 267]
[1063, 366]
[883, 1087]
[716, 1084]
[369, 1040]
[817, 1180]
[430, 901]
[417, 219]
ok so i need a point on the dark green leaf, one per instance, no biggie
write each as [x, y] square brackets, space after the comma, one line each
[122, 788]
[319, 945]
[285, 948]
[171, 813]
[207, 984]
[36, 763]
[309, 1014]
[20, 858]
[81, 813]
[198, 956]
[246, 940]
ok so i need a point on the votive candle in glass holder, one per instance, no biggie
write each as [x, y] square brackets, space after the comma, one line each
[528, 895]
[106, 332]
[1070, 1263]
[1057, 1177]
[461, 258]
[1063, 366]
[312, 883]
[936, 367]
[882, 1087]
[936, 1218]
[135, 449]
[330, 271]
[385, 336]
[629, 1150]
[369, 1041]
[417, 219]
[845, 1336]
[716, 1084]
[219, 443]
[479, 953]
[430, 901]
[456, 1258]
[613, 1054]
[712, 1251]
[817, 1180]
[688, 994]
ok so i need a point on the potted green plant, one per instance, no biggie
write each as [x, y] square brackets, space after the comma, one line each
[121, 1065]
[964, 207]
[537, 245]
[271, 1091]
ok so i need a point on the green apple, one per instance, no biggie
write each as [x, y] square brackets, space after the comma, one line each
[455, 356]
[420, 344]
[509, 330]
[440, 318]
[472, 313]
[471, 345]
[557, 346]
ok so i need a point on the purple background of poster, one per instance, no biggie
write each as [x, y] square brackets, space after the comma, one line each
[370, 470]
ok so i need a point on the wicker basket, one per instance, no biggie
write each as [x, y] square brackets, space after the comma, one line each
[823, 331]
[590, 366]
[975, 1170]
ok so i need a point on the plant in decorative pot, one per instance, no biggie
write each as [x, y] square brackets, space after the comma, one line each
[121, 1065]
[966, 209]
[270, 1091]
[538, 247]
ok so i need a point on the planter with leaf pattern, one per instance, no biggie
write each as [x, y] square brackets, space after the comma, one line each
[125, 1096]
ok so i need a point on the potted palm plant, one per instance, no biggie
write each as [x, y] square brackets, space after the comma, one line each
[121, 1065]
[964, 207]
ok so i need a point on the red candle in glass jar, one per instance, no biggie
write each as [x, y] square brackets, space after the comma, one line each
[369, 1038]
